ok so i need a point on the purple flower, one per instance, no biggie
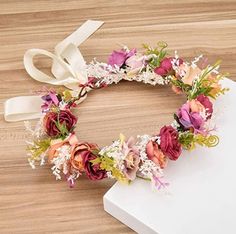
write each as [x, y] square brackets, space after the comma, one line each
[190, 119]
[118, 58]
[49, 100]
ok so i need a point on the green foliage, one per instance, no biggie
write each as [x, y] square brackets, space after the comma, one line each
[38, 148]
[186, 139]
[189, 140]
[202, 85]
[205, 86]
[186, 88]
[107, 163]
[67, 95]
[158, 53]
[62, 128]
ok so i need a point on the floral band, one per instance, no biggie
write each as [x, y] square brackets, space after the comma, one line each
[54, 141]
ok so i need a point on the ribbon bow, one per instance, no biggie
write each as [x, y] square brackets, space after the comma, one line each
[68, 69]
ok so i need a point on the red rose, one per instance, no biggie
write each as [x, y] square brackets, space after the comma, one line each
[170, 145]
[85, 153]
[53, 119]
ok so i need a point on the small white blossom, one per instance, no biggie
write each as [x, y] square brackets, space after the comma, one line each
[60, 162]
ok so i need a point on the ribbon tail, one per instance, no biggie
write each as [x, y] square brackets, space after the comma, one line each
[22, 108]
[80, 35]
[27, 107]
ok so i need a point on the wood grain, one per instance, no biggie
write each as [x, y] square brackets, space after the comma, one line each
[32, 201]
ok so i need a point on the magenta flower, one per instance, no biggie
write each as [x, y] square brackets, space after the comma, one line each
[205, 101]
[190, 119]
[118, 58]
[165, 66]
[49, 100]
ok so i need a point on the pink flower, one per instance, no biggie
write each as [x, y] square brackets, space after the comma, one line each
[119, 57]
[155, 154]
[132, 159]
[136, 63]
[49, 100]
[205, 101]
[166, 66]
[160, 71]
[170, 145]
[189, 118]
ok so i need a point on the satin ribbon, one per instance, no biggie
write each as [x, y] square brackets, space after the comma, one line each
[68, 69]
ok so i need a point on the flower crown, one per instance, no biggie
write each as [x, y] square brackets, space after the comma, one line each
[54, 141]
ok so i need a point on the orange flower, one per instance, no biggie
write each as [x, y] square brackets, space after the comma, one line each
[155, 154]
[77, 155]
[216, 87]
[56, 144]
[190, 73]
[196, 106]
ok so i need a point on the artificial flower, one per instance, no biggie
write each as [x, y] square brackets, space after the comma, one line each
[189, 73]
[118, 58]
[86, 153]
[77, 154]
[136, 63]
[166, 66]
[49, 100]
[196, 106]
[132, 159]
[169, 144]
[214, 84]
[58, 143]
[190, 119]
[205, 101]
[55, 123]
[155, 154]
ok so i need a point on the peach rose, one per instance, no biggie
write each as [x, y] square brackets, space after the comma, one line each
[155, 154]
[78, 153]
[196, 106]
[56, 144]
[190, 73]
[216, 87]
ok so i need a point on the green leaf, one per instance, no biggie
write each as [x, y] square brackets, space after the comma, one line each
[38, 148]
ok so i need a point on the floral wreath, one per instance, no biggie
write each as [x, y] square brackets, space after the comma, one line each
[54, 141]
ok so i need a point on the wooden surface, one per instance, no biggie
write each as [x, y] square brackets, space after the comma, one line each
[32, 201]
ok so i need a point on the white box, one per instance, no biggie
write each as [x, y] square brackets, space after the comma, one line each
[201, 198]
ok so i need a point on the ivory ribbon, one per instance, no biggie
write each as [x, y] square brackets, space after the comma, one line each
[68, 69]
